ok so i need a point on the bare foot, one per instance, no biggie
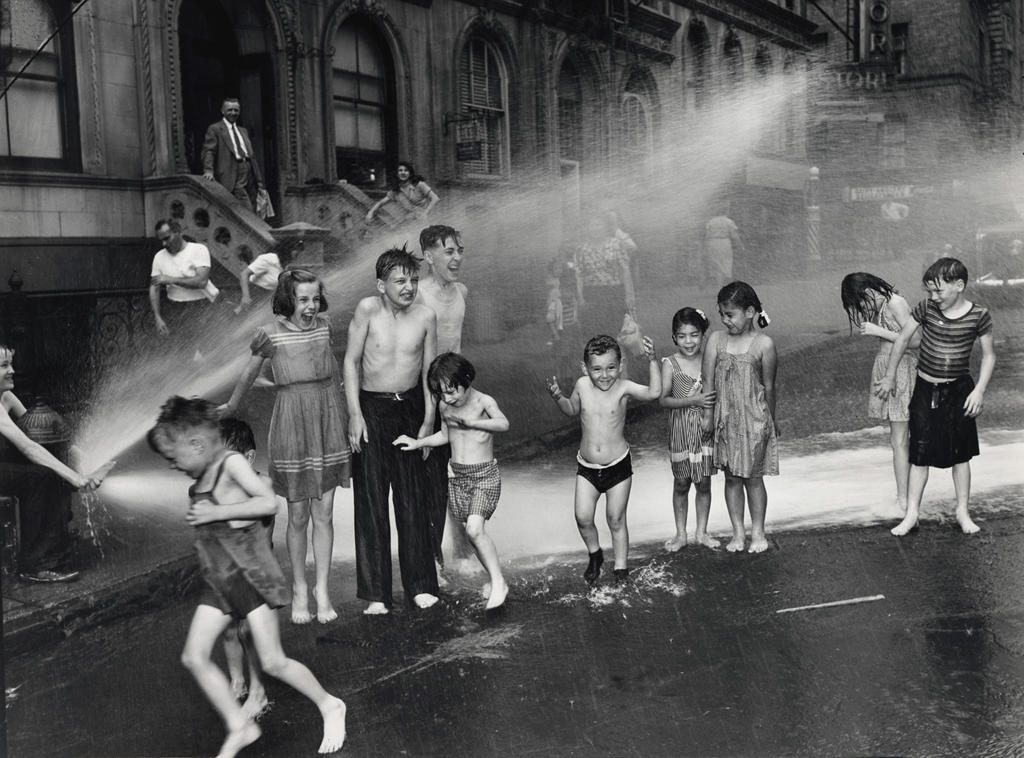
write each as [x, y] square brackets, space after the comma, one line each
[424, 600]
[499, 591]
[325, 612]
[908, 524]
[238, 739]
[968, 526]
[707, 541]
[485, 591]
[300, 607]
[676, 544]
[758, 544]
[256, 704]
[375, 609]
[736, 545]
[442, 580]
[334, 727]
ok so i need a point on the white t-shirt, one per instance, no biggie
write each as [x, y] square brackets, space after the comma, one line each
[265, 270]
[184, 263]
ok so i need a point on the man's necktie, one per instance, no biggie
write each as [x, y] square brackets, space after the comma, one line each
[236, 137]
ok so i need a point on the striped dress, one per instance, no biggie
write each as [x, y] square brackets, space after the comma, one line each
[690, 448]
[308, 440]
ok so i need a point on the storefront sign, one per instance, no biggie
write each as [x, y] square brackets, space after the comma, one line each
[878, 194]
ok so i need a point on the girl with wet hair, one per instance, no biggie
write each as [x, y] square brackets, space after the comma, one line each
[690, 445]
[876, 309]
[739, 366]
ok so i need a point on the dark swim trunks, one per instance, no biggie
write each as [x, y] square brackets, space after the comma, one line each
[607, 476]
[941, 435]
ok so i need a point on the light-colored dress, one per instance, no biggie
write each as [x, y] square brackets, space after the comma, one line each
[745, 443]
[894, 407]
[308, 440]
[690, 448]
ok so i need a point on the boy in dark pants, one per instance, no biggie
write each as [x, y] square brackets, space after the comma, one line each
[946, 401]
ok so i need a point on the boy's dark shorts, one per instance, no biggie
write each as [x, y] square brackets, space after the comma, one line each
[241, 597]
[605, 477]
[941, 434]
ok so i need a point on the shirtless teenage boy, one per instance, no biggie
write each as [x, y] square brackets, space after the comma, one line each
[391, 342]
[441, 289]
[600, 399]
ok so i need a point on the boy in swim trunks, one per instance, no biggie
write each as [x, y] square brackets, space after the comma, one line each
[945, 401]
[600, 399]
[469, 419]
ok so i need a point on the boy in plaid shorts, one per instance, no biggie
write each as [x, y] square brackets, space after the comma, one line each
[469, 419]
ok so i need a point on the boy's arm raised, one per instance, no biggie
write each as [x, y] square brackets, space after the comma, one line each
[358, 328]
[975, 402]
[653, 389]
[570, 406]
[249, 374]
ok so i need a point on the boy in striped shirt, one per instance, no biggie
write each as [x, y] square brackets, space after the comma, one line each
[946, 401]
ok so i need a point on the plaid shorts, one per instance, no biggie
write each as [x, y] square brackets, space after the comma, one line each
[473, 489]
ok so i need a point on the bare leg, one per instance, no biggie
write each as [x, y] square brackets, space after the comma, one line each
[461, 547]
[585, 506]
[234, 655]
[915, 491]
[257, 702]
[615, 501]
[680, 493]
[322, 511]
[298, 522]
[734, 503]
[899, 438]
[702, 507]
[488, 555]
[207, 625]
[267, 638]
[757, 501]
[962, 487]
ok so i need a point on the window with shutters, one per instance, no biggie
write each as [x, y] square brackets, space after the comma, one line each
[37, 111]
[483, 93]
[365, 124]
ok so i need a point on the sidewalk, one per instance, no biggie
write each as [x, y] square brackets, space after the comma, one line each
[148, 558]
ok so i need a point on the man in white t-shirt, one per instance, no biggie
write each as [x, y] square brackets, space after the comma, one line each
[182, 269]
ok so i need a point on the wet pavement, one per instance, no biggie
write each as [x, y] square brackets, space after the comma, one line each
[690, 659]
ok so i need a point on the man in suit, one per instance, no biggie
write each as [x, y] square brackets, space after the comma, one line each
[228, 156]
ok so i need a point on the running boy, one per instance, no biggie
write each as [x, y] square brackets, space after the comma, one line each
[242, 577]
[469, 419]
[391, 341]
[945, 402]
[600, 400]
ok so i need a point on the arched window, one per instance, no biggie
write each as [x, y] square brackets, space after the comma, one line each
[733, 53]
[483, 92]
[700, 47]
[636, 127]
[570, 114]
[37, 113]
[365, 125]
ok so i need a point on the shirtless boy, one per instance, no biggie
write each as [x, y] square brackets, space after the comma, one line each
[469, 419]
[391, 341]
[441, 289]
[600, 399]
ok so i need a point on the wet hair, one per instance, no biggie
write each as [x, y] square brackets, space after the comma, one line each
[180, 415]
[283, 303]
[237, 435]
[414, 178]
[6, 348]
[396, 257]
[857, 301]
[945, 270]
[435, 234]
[742, 295]
[449, 370]
[600, 345]
[691, 316]
[171, 223]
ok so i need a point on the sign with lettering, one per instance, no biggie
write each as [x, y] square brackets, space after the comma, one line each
[877, 194]
[469, 151]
